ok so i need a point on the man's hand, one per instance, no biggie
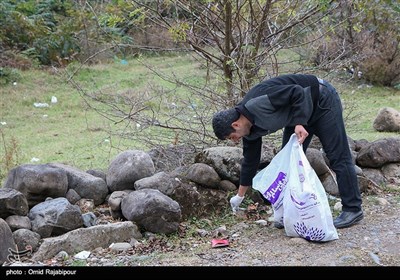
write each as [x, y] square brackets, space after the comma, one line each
[301, 133]
[235, 202]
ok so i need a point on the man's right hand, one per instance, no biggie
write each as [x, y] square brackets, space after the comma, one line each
[301, 133]
[235, 202]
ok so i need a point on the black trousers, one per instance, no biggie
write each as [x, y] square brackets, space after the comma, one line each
[327, 123]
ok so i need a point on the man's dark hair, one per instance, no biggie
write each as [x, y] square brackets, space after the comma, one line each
[222, 122]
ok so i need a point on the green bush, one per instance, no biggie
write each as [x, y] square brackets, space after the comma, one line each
[9, 75]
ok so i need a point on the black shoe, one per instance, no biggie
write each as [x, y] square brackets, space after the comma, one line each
[278, 225]
[347, 219]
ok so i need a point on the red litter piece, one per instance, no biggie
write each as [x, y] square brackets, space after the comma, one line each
[216, 243]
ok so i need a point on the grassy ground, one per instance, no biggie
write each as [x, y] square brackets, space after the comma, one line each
[72, 133]
[69, 131]
[361, 106]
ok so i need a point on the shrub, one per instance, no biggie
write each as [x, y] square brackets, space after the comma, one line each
[380, 63]
[12, 59]
[8, 75]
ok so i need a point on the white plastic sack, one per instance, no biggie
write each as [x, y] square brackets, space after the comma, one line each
[271, 181]
[306, 211]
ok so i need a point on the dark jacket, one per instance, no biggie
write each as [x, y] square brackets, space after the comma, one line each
[273, 104]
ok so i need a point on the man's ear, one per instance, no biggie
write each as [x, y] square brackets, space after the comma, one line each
[235, 125]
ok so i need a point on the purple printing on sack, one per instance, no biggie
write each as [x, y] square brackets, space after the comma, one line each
[311, 233]
[274, 191]
[301, 203]
[302, 178]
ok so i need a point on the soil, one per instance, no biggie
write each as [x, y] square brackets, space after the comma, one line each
[375, 241]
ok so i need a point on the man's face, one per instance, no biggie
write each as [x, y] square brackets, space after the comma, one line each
[234, 137]
[242, 128]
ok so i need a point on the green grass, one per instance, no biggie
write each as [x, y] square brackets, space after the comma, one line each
[70, 132]
[361, 106]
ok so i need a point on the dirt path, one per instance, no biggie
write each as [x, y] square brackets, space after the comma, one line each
[375, 241]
